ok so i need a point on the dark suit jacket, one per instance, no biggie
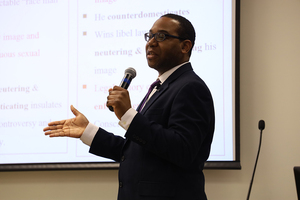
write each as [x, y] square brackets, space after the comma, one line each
[166, 145]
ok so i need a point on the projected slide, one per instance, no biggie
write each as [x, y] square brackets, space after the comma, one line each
[56, 53]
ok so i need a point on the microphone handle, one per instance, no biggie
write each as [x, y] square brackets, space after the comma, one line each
[261, 126]
[124, 84]
[126, 81]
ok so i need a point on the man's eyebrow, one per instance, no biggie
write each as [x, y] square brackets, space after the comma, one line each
[159, 31]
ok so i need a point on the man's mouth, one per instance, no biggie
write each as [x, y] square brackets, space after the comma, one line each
[151, 54]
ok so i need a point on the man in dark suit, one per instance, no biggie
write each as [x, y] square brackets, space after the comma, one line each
[168, 139]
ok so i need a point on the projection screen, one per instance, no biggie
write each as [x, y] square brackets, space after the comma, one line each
[57, 53]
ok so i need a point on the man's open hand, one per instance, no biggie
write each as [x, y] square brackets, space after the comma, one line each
[70, 127]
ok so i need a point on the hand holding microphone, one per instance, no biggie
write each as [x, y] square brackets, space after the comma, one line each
[118, 100]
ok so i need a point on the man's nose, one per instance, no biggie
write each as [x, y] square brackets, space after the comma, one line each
[152, 42]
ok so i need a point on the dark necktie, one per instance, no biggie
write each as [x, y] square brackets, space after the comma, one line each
[156, 83]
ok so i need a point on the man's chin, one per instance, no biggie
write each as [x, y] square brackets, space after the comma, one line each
[152, 65]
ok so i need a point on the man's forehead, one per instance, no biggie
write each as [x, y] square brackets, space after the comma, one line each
[165, 24]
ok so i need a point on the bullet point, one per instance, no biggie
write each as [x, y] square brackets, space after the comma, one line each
[84, 86]
[84, 33]
[84, 15]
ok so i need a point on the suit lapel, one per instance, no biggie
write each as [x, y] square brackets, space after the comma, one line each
[165, 85]
[158, 93]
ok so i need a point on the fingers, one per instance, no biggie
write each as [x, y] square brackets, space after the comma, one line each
[112, 94]
[54, 125]
[119, 99]
[117, 91]
[75, 111]
[54, 131]
[54, 128]
[49, 128]
[117, 88]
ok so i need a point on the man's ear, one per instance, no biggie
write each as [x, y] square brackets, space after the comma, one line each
[186, 46]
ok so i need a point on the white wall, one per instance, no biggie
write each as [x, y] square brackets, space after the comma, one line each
[270, 90]
[270, 67]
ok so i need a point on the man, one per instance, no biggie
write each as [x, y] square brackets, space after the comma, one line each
[167, 142]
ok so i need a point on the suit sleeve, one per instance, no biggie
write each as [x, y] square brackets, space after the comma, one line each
[187, 129]
[107, 145]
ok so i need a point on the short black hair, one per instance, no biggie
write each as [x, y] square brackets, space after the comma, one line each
[186, 29]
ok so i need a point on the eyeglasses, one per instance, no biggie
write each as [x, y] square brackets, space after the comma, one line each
[159, 37]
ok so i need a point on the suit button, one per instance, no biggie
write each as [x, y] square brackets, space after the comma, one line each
[121, 184]
[122, 158]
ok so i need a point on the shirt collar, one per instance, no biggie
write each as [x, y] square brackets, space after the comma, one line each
[166, 75]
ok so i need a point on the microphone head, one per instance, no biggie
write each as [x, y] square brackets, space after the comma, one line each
[131, 71]
[261, 125]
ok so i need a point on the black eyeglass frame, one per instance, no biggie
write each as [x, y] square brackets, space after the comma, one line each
[146, 35]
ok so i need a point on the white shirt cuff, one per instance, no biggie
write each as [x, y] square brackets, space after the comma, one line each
[127, 118]
[89, 134]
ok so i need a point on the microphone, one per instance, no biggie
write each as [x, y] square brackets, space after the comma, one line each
[129, 74]
[261, 127]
